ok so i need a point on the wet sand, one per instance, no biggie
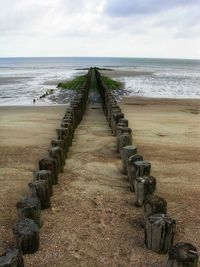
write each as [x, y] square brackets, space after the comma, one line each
[93, 221]
[116, 73]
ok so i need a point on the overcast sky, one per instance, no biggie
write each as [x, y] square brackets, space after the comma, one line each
[121, 28]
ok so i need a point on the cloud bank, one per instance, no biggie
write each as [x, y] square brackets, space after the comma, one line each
[138, 28]
[139, 7]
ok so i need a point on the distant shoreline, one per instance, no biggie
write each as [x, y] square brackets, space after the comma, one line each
[25, 79]
[105, 57]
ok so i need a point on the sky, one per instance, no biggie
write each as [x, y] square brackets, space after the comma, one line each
[109, 28]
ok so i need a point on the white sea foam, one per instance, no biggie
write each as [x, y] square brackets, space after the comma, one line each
[31, 85]
[21, 79]
[162, 84]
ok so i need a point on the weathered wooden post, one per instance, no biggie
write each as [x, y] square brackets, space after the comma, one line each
[120, 131]
[69, 119]
[120, 124]
[125, 139]
[115, 110]
[63, 134]
[12, 258]
[60, 143]
[70, 124]
[159, 232]
[127, 151]
[111, 108]
[182, 255]
[26, 236]
[55, 153]
[131, 171]
[44, 175]
[139, 169]
[69, 127]
[76, 109]
[40, 189]
[154, 204]
[123, 121]
[75, 113]
[115, 119]
[144, 187]
[29, 208]
[50, 165]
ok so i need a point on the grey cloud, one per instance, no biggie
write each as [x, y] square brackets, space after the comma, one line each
[120, 8]
[18, 15]
[14, 16]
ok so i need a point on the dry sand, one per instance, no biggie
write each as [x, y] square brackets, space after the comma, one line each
[25, 134]
[93, 221]
[167, 132]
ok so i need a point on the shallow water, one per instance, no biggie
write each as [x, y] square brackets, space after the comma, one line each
[22, 79]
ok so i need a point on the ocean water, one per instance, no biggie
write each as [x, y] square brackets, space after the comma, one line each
[22, 79]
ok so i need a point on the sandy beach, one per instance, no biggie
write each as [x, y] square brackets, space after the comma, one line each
[166, 132]
[92, 221]
[25, 134]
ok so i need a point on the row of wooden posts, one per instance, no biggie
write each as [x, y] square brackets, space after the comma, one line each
[26, 229]
[159, 228]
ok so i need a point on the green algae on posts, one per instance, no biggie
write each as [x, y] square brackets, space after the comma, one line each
[112, 84]
[73, 84]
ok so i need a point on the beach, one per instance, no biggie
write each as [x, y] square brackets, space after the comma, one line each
[92, 190]
[166, 132]
[25, 134]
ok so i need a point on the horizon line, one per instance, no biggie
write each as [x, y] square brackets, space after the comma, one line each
[122, 57]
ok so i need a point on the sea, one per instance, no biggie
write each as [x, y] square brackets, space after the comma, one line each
[25, 79]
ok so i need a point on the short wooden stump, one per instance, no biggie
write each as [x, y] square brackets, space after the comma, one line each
[29, 208]
[26, 235]
[40, 189]
[11, 258]
[182, 255]
[144, 187]
[159, 233]
[126, 153]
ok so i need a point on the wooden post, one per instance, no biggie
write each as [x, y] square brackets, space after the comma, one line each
[44, 175]
[63, 134]
[68, 118]
[69, 121]
[69, 127]
[12, 258]
[55, 153]
[120, 124]
[131, 171]
[119, 132]
[139, 169]
[40, 189]
[115, 119]
[50, 165]
[29, 208]
[113, 111]
[154, 204]
[26, 235]
[159, 232]
[60, 143]
[111, 108]
[124, 121]
[127, 151]
[144, 186]
[183, 255]
[125, 139]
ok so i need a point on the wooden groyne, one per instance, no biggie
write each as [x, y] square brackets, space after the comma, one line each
[159, 228]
